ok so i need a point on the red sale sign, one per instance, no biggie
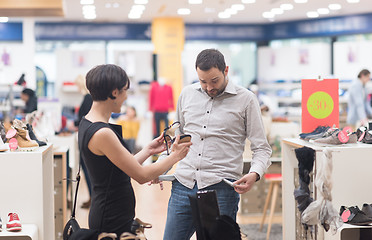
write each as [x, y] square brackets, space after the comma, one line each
[319, 103]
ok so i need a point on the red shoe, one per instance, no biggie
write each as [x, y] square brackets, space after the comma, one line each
[13, 224]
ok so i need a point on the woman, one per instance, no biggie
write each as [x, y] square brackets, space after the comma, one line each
[109, 163]
[30, 99]
[359, 108]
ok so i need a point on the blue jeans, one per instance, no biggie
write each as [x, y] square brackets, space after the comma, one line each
[180, 225]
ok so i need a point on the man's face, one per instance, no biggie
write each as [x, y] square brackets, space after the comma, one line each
[213, 81]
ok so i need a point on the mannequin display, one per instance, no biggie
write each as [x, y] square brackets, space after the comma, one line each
[161, 102]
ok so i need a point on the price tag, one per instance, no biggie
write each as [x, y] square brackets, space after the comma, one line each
[13, 144]
[343, 136]
[320, 105]
[11, 133]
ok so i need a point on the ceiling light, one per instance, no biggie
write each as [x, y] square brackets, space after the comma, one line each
[108, 5]
[224, 15]
[4, 19]
[141, 1]
[248, 1]
[89, 8]
[90, 15]
[183, 11]
[286, 6]
[140, 8]
[237, 7]
[268, 15]
[195, 1]
[115, 5]
[300, 1]
[86, 2]
[312, 14]
[134, 16]
[352, 1]
[334, 6]
[323, 10]
[277, 11]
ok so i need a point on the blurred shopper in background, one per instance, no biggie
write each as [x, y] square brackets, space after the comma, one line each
[359, 108]
[29, 97]
[219, 116]
[130, 125]
[110, 164]
[161, 102]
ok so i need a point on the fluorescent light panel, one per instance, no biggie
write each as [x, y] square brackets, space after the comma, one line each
[183, 11]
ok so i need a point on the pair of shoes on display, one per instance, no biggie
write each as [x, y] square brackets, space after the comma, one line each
[19, 132]
[13, 224]
[318, 130]
[337, 136]
[355, 216]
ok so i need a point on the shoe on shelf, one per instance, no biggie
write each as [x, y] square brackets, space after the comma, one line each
[3, 147]
[317, 130]
[13, 224]
[33, 136]
[2, 132]
[354, 216]
[367, 209]
[1, 225]
[332, 139]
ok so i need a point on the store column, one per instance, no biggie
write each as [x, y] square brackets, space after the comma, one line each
[168, 37]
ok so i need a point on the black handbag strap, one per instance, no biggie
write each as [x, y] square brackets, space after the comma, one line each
[78, 183]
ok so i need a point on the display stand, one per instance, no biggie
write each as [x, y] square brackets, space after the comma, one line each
[27, 188]
[61, 154]
[29, 232]
[351, 176]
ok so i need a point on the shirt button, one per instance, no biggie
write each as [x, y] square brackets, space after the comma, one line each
[197, 169]
[204, 126]
[207, 111]
[202, 139]
[199, 154]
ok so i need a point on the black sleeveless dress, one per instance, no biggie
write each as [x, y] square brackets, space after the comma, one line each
[113, 203]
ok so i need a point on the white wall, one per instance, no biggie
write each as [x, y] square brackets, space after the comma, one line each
[294, 63]
[351, 57]
[21, 57]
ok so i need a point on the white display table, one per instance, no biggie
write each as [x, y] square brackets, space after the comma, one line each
[351, 177]
[27, 188]
[29, 232]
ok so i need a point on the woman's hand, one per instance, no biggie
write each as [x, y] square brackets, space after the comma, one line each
[181, 149]
[157, 145]
[157, 181]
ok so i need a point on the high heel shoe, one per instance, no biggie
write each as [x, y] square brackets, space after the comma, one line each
[169, 135]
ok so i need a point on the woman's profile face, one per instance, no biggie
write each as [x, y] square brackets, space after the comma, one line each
[24, 97]
[366, 78]
[121, 97]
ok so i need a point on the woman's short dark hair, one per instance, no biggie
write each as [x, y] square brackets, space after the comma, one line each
[103, 79]
[210, 58]
[364, 72]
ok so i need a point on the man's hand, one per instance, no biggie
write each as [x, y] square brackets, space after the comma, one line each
[245, 184]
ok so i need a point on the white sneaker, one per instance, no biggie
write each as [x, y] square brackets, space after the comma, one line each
[3, 147]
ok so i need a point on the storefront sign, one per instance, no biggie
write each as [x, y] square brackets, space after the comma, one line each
[319, 103]
[11, 32]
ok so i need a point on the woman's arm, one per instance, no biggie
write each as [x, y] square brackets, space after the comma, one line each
[105, 142]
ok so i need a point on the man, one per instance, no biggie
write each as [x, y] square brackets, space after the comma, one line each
[219, 116]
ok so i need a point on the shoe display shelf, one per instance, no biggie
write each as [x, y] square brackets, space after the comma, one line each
[350, 177]
[29, 232]
[27, 188]
[60, 155]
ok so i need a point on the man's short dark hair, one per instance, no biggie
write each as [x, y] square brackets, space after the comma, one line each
[210, 58]
[103, 79]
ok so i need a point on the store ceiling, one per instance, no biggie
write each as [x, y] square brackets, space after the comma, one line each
[207, 12]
